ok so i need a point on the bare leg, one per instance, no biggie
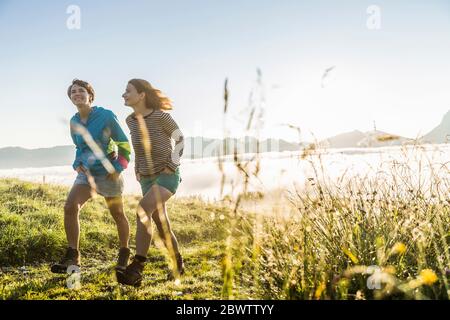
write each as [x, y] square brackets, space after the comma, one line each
[153, 200]
[143, 233]
[115, 206]
[165, 232]
[78, 196]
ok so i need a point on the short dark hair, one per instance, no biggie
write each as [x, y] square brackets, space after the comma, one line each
[82, 84]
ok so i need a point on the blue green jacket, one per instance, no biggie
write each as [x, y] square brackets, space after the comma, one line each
[101, 145]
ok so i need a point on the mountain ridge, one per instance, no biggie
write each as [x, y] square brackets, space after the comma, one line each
[203, 147]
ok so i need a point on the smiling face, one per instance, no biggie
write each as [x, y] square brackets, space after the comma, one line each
[79, 96]
[132, 97]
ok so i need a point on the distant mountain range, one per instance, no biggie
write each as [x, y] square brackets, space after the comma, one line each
[375, 138]
[194, 147]
[199, 147]
[370, 139]
[16, 157]
[440, 134]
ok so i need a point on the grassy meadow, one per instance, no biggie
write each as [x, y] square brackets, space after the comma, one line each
[364, 240]
[32, 236]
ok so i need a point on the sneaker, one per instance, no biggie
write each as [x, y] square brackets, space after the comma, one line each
[132, 275]
[71, 258]
[122, 260]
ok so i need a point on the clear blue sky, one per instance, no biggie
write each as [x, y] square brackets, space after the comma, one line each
[398, 76]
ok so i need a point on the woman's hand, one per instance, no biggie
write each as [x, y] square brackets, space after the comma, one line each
[113, 176]
[168, 170]
[138, 176]
[80, 169]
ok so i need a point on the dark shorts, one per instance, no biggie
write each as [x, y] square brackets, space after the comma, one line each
[170, 181]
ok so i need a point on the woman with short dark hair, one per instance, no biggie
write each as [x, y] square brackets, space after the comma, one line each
[102, 153]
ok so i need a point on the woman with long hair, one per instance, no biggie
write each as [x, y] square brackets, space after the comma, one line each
[157, 163]
[102, 153]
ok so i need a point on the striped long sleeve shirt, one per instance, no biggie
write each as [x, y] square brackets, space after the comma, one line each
[152, 142]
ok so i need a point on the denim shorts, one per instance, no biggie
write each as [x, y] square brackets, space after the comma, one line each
[170, 181]
[103, 186]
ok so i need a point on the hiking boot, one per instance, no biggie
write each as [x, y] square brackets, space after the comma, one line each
[122, 260]
[71, 258]
[180, 267]
[132, 275]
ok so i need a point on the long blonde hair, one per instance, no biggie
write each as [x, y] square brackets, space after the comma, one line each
[154, 98]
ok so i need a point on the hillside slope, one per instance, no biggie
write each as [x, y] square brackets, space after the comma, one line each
[32, 237]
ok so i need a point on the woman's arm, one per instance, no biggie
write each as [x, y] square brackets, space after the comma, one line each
[123, 146]
[77, 162]
[171, 128]
[136, 161]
